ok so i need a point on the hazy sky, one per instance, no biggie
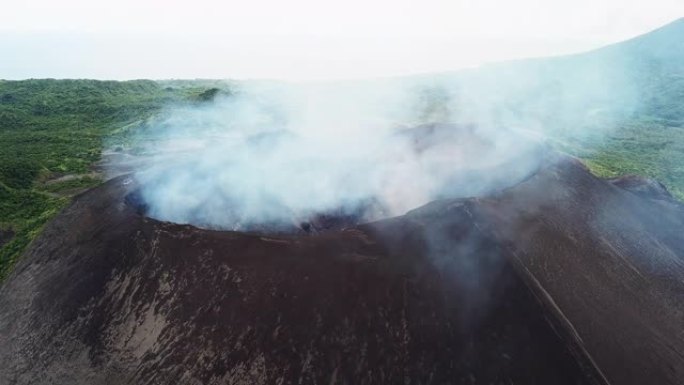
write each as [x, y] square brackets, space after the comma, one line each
[303, 39]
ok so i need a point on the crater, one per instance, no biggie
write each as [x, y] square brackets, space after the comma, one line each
[319, 222]
[265, 189]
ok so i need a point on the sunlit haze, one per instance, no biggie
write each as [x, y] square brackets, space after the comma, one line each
[303, 39]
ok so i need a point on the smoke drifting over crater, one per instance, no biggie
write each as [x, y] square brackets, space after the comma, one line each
[272, 154]
[276, 155]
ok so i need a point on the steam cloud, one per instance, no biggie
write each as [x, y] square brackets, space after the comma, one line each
[271, 153]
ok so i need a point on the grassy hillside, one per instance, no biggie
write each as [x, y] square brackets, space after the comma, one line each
[620, 108]
[646, 148]
[51, 133]
[649, 140]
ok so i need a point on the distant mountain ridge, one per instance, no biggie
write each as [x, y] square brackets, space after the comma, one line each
[664, 44]
[641, 77]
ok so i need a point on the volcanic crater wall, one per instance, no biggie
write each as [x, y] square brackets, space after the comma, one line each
[552, 281]
[107, 295]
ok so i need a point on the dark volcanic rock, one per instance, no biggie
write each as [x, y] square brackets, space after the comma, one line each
[646, 187]
[608, 262]
[562, 279]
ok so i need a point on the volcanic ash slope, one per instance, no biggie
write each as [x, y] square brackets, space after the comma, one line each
[562, 279]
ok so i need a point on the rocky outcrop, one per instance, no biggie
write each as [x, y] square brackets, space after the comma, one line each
[645, 187]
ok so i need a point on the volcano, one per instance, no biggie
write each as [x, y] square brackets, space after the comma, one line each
[563, 278]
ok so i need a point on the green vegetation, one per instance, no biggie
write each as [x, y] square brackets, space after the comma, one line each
[52, 133]
[647, 148]
[23, 211]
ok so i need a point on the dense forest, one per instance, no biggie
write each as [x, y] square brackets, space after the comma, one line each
[51, 135]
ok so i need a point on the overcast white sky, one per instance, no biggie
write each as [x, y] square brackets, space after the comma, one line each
[303, 39]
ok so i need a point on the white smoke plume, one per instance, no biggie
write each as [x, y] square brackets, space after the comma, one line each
[271, 153]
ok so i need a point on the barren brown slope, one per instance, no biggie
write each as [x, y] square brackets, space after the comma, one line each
[106, 296]
[608, 260]
[562, 279]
